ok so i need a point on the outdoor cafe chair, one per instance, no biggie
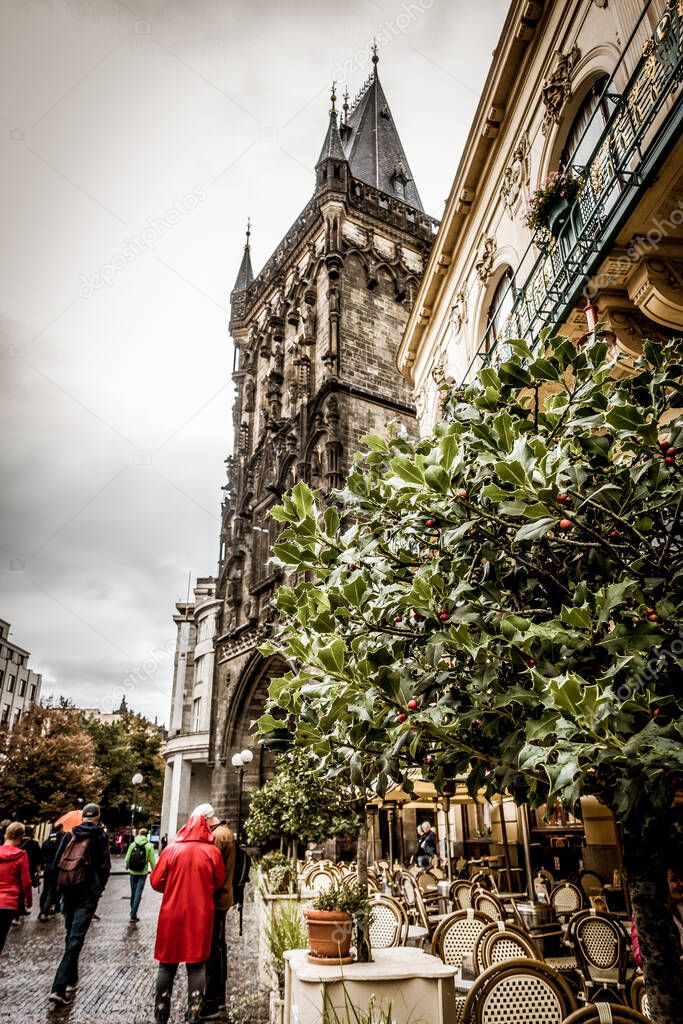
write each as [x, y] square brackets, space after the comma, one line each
[322, 877]
[389, 922]
[499, 944]
[427, 880]
[461, 894]
[490, 905]
[606, 1013]
[638, 996]
[591, 883]
[518, 992]
[485, 880]
[456, 935]
[600, 945]
[566, 899]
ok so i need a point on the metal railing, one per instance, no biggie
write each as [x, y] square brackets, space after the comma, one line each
[614, 175]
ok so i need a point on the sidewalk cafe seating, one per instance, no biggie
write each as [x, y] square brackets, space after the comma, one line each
[389, 923]
[601, 946]
[566, 899]
[456, 935]
[605, 1013]
[516, 992]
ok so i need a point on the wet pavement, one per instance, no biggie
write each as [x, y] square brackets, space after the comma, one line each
[117, 966]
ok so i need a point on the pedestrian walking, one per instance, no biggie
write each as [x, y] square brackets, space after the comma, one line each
[49, 897]
[83, 865]
[217, 964]
[426, 845]
[16, 891]
[188, 873]
[140, 860]
[35, 859]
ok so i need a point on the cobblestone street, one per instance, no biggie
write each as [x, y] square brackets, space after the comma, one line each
[117, 967]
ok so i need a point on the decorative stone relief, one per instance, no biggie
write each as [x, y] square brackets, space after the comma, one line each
[457, 316]
[484, 264]
[557, 89]
[516, 174]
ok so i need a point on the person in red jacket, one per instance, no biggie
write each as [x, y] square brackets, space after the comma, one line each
[188, 873]
[15, 879]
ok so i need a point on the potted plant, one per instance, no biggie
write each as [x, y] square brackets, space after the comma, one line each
[286, 930]
[551, 204]
[331, 921]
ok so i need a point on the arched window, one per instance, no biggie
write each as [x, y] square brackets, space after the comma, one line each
[591, 118]
[500, 307]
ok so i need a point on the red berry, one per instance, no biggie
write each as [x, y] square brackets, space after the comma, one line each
[614, 533]
[397, 618]
[530, 662]
[352, 566]
[401, 718]
[430, 522]
[653, 617]
[443, 615]
[655, 712]
[671, 451]
[412, 704]
[670, 460]
[462, 493]
[562, 498]
[565, 524]
[665, 443]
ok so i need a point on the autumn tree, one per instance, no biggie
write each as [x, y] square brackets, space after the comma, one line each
[121, 749]
[48, 764]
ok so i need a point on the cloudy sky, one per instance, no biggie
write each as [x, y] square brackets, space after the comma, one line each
[135, 138]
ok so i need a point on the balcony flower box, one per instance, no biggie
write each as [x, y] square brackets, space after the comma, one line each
[551, 204]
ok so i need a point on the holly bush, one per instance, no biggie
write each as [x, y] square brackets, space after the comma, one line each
[501, 599]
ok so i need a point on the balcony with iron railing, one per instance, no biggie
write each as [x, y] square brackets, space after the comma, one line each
[644, 121]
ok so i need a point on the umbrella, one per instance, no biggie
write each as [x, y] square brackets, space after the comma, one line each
[70, 819]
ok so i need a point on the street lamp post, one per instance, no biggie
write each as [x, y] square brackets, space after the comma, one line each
[239, 761]
[136, 780]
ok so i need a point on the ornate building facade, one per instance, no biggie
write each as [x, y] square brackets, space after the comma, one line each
[316, 334]
[589, 88]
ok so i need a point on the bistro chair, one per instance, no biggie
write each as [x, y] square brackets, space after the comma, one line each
[591, 883]
[606, 1013]
[461, 894]
[638, 996]
[518, 992]
[484, 880]
[427, 880]
[566, 899]
[389, 922]
[417, 906]
[490, 905]
[322, 877]
[499, 945]
[456, 935]
[600, 945]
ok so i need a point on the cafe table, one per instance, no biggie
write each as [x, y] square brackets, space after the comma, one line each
[416, 985]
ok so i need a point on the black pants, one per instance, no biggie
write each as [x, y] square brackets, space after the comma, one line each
[48, 895]
[6, 918]
[217, 965]
[196, 984]
[78, 913]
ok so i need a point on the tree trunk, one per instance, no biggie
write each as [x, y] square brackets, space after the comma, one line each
[363, 951]
[660, 945]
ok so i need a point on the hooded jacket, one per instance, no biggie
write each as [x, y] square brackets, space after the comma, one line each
[188, 873]
[97, 871]
[150, 858]
[15, 878]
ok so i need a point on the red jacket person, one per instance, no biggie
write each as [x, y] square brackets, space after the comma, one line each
[188, 873]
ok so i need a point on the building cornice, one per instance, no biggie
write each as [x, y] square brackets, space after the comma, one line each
[501, 84]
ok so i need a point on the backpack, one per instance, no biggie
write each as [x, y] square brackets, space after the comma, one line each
[240, 878]
[74, 862]
[138, 858]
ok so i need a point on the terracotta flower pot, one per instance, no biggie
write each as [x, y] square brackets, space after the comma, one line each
[329, 933]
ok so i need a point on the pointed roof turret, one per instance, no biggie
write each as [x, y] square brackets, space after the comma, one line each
[372, 145]
[245, 274]
[332, 146]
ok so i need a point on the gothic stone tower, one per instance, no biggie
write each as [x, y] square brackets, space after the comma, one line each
[315, 333]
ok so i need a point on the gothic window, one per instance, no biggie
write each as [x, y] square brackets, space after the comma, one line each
[500, 307]
[587, 127]
[266, 534]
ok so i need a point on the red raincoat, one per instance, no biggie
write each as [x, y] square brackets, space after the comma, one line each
[188, 873]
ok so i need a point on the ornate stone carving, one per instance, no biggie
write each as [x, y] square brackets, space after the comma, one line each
[557, 88]
[484, 264]
[516, 174]
[457, 316]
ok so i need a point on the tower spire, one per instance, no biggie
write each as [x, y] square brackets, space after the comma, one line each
[332, 146]
[245, 275]
[375, 56]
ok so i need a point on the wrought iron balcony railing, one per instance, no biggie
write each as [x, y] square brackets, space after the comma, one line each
[644, 120]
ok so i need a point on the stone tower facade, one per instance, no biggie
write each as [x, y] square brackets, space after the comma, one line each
[316, 335]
